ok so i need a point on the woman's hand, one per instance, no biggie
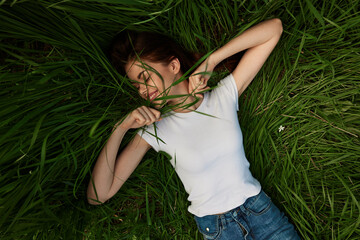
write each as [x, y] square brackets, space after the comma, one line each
[198, 80]
[139, 117]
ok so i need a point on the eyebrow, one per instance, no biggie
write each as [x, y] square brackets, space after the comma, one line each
[140, 74]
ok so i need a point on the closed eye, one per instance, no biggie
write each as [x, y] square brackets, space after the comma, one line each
[136, 85]
[146, 80]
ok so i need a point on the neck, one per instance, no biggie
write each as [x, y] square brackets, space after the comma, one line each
[186, 103]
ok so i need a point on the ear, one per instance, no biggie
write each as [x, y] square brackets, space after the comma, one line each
[175, 65]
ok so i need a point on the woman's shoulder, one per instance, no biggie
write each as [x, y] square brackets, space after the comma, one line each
[226, 85]
[226, 91]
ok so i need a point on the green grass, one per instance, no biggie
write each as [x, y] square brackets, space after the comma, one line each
[60, 98]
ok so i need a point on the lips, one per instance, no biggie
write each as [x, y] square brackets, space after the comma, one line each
[152, 95]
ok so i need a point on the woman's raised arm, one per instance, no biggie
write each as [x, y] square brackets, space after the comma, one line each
[110, 172]
[259, 41]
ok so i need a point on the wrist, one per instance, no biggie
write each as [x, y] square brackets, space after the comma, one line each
[119, 126]
[213, 60]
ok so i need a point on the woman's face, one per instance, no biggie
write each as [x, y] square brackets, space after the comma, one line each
[153, 80]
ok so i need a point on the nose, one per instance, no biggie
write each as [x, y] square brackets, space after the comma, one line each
[143, 91]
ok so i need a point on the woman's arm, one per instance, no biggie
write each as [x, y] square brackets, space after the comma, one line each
[259, 41]
[109, 172]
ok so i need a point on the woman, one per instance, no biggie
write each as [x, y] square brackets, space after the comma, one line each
[207, 149]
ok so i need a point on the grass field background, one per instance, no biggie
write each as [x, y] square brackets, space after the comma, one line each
[59, 99]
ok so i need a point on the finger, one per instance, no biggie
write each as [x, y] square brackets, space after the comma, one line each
[201, 82]
[193, 87]
[138, 117]
[156, 113]
[197, 82]
[204, 83]
[201, 91]
[144, 114]
[192, 80]
[150, 114]
[190, 85]
[201, 85]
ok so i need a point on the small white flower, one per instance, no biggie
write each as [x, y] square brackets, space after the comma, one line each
[281, 128]
[30, 172]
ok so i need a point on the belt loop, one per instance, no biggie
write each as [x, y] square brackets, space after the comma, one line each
[243, 210]
[223, 220]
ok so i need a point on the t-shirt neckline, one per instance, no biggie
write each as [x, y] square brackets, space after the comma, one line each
[201, 106]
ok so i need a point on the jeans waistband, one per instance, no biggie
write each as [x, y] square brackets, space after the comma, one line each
[236, 209]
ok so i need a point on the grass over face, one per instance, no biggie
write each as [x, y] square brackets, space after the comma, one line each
[60, 98]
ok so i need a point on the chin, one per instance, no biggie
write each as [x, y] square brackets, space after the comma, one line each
[158, 104]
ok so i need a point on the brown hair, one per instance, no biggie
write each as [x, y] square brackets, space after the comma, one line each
[150, 46]
[156, 47]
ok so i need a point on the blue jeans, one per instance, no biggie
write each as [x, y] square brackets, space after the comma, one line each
[257, 218]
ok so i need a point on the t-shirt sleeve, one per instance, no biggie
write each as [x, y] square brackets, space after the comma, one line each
[148, 133]
[226, 88]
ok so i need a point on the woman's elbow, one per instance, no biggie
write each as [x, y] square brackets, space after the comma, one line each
[93, 200]
[278, 24]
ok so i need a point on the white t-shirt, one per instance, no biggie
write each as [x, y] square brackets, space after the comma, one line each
[207, 151]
